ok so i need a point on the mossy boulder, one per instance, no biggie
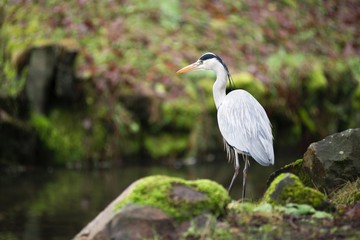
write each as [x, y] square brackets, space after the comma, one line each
[180, 199]
[288, 188]
[294, 168]
[327, 163]
[158, 207]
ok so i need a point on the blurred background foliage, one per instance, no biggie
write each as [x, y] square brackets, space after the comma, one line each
[300, 59]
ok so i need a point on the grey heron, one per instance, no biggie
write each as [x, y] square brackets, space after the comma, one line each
[243, 122]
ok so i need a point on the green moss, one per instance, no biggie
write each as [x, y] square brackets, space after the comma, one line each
[180, 113]
[304, 176]
[165, 145]
[356, 97]
[238, 207]
[301, 209]
[307, 119]
[64, 135]
[155, 191]
[291, 63]
[295, 164]
[63, 141]
[296, 168]
[248, 82]
[287, 188]
[354, 65]
[316, 79]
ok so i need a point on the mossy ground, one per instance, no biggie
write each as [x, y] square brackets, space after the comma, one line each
[245, 220]
[155, 191]
[293, 191]
[240, 220]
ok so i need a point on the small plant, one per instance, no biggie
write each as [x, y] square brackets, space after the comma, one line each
[349, 193]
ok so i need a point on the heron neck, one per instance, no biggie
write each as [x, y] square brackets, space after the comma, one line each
[219, 87]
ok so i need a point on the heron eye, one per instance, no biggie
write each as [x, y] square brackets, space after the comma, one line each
[201, 61]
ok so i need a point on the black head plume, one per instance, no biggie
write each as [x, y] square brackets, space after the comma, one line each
[209, 55]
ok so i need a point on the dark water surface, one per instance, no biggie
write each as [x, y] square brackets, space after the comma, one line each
[57, 204]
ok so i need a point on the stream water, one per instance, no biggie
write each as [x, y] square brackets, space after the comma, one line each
[57, 204]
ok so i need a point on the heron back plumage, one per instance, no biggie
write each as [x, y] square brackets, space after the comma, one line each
[246, 127]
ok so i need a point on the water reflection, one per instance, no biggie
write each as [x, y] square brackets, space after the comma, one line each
[57, 204]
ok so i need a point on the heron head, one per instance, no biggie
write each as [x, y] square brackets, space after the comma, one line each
[208, 61]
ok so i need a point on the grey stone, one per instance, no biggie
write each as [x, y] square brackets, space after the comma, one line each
[41, 72]
[183, 193]
[334, 160]
[96, 229]
[50, 75]
[65, 77]
[141, 222]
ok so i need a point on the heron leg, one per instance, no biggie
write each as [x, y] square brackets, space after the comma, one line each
[237, 167]
[244, 176]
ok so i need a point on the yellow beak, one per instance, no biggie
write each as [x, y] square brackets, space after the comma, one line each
[188, 68]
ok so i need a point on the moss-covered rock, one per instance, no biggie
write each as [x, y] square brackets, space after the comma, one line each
[287, 188]
[178, 198]
[294, 168]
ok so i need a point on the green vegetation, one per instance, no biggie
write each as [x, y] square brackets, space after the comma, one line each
[8, 236]
[155, 191]
[63, 134]
[66, 144]
[246, 220]
[244, 208]
[165, 145]
[349, 193]
[211, 230]
[300, 59]
[296, 169]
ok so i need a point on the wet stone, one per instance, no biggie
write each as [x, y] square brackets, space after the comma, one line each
[334, 160]
[184, 193]
[141, 222]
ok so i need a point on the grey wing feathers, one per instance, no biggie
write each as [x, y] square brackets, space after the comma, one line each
[245, 126]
